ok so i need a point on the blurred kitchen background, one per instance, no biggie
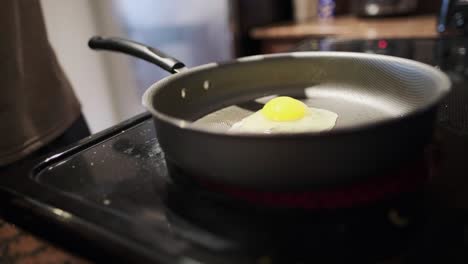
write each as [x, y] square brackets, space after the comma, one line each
[109, 86]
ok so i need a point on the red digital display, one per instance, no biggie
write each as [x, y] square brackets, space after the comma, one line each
[382, 44]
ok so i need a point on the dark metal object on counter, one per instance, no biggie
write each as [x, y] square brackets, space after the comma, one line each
[386, 107]
[452, 17]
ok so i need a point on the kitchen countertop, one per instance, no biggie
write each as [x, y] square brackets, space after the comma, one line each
[349, 27]
[18, 246]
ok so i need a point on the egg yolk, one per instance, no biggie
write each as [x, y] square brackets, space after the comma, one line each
[284, 108]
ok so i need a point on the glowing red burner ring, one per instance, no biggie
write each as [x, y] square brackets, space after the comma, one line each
[409, 179]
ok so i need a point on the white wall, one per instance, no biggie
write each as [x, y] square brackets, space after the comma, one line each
[127, 101]
[106, 99]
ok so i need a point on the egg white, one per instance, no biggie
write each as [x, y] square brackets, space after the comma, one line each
[315, 120]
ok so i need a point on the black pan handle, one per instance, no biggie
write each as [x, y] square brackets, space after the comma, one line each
[138, 50]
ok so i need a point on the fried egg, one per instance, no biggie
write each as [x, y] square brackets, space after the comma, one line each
[286, 115]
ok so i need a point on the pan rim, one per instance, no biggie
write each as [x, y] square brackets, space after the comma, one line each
[444, 89]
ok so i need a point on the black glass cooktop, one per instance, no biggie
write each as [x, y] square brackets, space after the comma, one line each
[112, 196]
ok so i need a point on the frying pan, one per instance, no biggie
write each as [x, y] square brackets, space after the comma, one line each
[386, 110]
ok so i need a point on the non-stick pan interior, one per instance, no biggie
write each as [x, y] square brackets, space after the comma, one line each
[360, 88]
[350, 112]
